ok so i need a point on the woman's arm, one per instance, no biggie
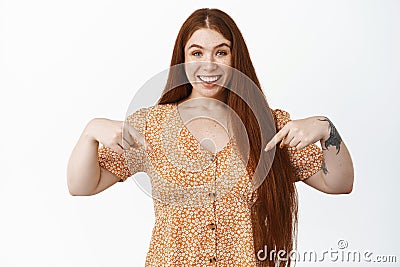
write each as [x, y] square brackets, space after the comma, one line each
[84, 173]
[337, 174]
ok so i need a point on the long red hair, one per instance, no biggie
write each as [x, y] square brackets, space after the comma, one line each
[274, 214]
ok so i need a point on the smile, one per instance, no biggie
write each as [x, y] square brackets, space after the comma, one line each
[209, 79]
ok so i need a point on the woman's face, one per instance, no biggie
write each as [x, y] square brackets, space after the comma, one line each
[208, 60]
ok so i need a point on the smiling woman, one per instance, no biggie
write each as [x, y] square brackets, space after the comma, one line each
[211, 51]
[208, 211]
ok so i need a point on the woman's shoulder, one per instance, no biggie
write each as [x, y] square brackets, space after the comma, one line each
[144, 111]
[279, 112]
[161, 110]
[281, 116]
[141, 117]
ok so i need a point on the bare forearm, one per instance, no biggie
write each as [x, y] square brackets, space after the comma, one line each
[83, 171]
[337, 167]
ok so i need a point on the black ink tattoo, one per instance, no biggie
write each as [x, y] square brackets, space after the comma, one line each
[334, 137]
[324, 169]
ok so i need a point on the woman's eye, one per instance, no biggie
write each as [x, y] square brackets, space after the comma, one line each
[196, 53]
[222, 52]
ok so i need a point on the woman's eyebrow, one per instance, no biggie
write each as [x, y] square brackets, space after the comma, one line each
[218, 46]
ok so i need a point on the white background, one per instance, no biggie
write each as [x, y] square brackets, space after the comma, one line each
[63, 63]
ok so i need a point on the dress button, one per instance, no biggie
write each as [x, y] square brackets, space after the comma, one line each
[213, 260]
[211, 226]
[212, 195]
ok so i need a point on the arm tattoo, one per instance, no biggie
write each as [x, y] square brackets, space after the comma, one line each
[324, 169]
[334, 137]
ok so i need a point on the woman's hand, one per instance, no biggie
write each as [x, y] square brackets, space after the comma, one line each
[301, 133]
[116, 135]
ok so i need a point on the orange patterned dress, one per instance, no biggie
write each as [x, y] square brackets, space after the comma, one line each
[202, 200]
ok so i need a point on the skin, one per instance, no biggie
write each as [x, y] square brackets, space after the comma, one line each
[207, 53]
[85, 177]
[337, 173]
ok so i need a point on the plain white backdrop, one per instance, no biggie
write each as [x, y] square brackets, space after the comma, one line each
[63, 63]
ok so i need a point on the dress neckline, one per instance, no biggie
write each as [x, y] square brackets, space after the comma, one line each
[182, 124]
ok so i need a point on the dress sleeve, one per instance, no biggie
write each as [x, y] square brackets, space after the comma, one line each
[132, 160]
[306, 161]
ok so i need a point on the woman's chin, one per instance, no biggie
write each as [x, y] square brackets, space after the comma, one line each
[205, 91]
[208, 88]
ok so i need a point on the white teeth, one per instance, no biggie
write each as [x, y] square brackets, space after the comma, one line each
[209, 79]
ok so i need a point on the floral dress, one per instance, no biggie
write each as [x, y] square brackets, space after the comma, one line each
[202, 200]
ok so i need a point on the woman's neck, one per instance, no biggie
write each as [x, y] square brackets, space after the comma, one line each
[210, 103]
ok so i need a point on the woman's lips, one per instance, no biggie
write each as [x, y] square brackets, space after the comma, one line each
[208, 80]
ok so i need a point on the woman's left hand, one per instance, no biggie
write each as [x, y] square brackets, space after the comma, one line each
[301, 133]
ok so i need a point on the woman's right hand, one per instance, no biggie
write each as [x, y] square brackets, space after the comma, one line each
[117, 135]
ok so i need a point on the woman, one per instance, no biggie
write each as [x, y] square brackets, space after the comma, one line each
[207, 211]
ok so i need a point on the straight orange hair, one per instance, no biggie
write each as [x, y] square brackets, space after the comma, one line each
[274, 214]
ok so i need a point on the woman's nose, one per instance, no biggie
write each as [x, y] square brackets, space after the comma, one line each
[209, 63]
[209, 57]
